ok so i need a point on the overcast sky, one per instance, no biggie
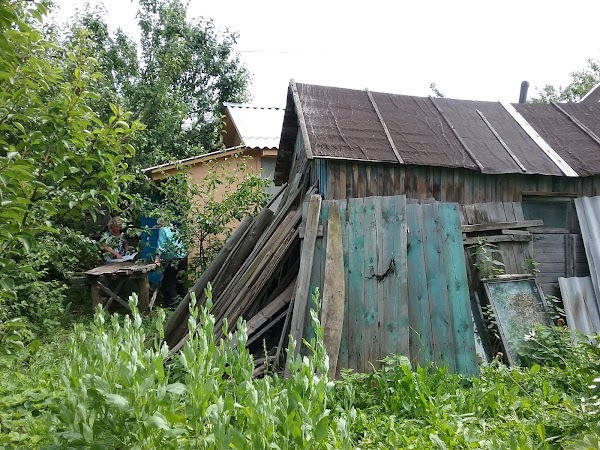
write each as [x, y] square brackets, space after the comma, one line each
[475, 50]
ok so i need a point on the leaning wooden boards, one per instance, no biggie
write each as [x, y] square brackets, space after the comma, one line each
[404, 280]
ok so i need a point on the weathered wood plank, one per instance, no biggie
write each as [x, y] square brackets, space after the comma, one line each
[443, 340]
[333, 288]
[370, 344]
[499, 238]
[471, 228]
[570, 255]
[303, 283]
[346, 243]
[178, 321]
[272, 308]
[420, 334]
[394, 309]
[355, 285]
[458, 292]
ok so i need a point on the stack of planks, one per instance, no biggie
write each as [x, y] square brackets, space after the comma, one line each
[253, 277]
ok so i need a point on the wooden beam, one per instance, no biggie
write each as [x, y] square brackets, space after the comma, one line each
[176, 327]
[334, 288]
[501, 238]
[385, 128]
[460, 139]
[549, 194]
[112, 295]
[502, 143]
[301, 121]
[306, 262]
[501, 225]
[517, 232]
[268, 311]
[301, 231]
[116, 290]
[541, 143]
[271, 324]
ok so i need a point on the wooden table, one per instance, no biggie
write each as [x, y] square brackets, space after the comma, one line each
[99, 277]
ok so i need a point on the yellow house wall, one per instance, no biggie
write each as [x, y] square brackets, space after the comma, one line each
[228, 163]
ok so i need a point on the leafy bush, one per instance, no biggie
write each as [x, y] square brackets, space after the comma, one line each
[116, 386]
[120, 392]
[59, 161]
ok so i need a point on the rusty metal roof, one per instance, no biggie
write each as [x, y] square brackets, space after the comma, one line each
[491, 137]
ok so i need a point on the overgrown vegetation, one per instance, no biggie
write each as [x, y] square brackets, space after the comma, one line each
[114, 385]
[60, 162]
[65, 153]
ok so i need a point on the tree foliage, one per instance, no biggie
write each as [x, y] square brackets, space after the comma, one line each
[582, 81]
[184, 70]
[59, 161]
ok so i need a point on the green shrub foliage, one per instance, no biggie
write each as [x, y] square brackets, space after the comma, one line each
[115, 385]
[59, 161]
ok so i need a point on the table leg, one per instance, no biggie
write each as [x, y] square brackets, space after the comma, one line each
[144, 294]
[96, 294]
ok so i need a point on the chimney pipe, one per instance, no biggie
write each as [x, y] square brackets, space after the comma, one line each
[523, 94]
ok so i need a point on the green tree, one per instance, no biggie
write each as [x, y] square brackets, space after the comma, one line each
[176, 84]
[582, 81]
[59, 161]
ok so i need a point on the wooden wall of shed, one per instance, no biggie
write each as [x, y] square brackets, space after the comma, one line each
[340, 179]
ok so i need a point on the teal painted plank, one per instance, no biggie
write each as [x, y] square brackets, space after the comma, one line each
[458, 291]
[343, 357]
[420, 336]
[441, 319]
[355, 288]
[393, 312]
[370, 225]
[321, 171]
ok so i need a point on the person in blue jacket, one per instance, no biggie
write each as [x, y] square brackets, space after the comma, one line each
[172, 256]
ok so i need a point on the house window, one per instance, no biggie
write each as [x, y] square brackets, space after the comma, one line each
[556, 212]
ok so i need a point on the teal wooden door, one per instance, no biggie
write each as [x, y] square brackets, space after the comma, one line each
[406, 284]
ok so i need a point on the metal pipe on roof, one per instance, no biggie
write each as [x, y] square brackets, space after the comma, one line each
[523, 93]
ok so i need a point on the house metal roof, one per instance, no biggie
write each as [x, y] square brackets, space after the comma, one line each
[491, 137]
[258, 127]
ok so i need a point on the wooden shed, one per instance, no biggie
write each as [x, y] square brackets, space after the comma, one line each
[384, 194]
[356, 144]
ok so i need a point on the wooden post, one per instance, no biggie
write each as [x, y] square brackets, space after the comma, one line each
[144, 293]
[306, 262]
[570, 255]
[96, 294]
[333, 288]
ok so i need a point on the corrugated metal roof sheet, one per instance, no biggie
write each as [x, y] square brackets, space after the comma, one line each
[258, 127]
[580, 304]
[588, 213]
[343, 123]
